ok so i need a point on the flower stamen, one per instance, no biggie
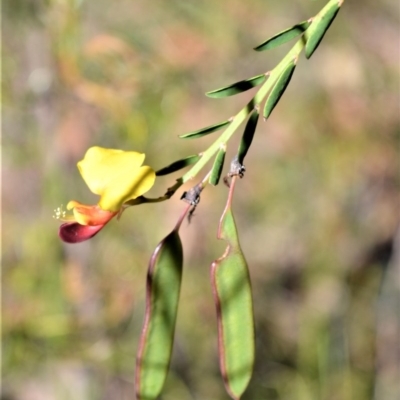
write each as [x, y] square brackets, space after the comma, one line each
[61, 215]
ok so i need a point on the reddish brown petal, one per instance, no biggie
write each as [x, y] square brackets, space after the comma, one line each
[76, 233]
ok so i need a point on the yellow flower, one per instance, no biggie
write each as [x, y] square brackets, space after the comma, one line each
[116, 176]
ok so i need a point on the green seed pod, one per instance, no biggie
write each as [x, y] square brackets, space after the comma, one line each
[231, 286]
[238, 87]
[177, 165]
[320, 25]
[217, 166]
[205, 131]
[248, 135]
[278, 89]
[284, 36]
[162, 296]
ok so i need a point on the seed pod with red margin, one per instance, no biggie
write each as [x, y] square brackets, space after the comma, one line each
[162, 297]
[231, 286]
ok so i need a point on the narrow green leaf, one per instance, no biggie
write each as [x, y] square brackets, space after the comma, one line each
[231, 285]
[177, 165]
[278, 89]
[162, 296]
[238, 87]
[284, 36]
[217, 166]
[248, 135]
[320, 25]
[205, 131]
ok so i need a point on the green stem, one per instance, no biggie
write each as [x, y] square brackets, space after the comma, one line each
[234, 125]
[293, 54]
[245, 111]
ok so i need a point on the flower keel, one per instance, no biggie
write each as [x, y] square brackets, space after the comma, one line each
[72, 232]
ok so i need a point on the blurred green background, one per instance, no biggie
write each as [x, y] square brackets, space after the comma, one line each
[317, 211]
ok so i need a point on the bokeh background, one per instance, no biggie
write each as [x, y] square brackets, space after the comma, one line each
[317, 212]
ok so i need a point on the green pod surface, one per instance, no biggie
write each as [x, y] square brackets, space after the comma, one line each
[231, 286]
[162, 296]
[179, 164]
[248, 135]
[278, 89]
[284, 36]
[320, 25]
[217, 166]
[205, 131]
[238, 87]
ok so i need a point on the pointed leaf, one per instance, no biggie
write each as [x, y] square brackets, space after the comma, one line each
[248, 135]
[177, 165]
[205, 131]
[278, 89]
[320, 25]
[238, 87]
[162, 296]
[231, 285]
[217, 166]
[284, 36]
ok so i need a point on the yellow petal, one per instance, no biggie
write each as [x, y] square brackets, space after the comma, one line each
[127, 186]
[101, 166]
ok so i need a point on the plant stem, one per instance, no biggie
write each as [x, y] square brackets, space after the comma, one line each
[245, 111]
